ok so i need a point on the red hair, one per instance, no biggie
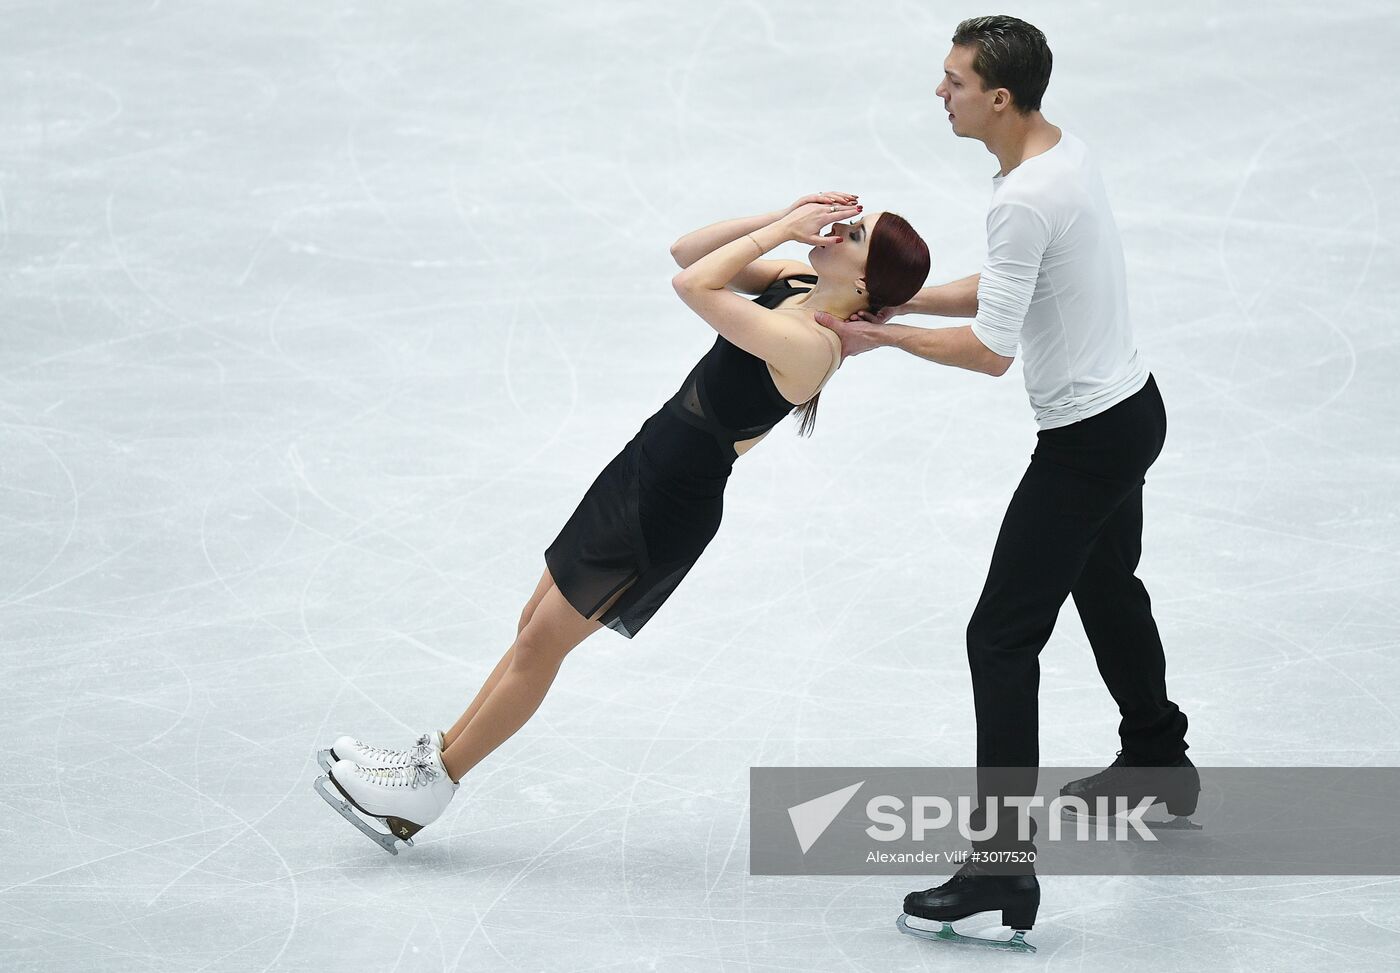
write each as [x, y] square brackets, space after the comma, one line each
[897, 263]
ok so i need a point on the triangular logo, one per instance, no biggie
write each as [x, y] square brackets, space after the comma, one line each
[811, 818]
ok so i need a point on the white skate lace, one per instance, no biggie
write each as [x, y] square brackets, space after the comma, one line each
[378, 754]
[416, 774]
[421, 750]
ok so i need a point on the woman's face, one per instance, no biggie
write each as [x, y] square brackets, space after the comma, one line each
[845, 260]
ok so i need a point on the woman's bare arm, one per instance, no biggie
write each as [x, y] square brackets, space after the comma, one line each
[707, 239]
[716, 269]
[775, 337]
[758, 274]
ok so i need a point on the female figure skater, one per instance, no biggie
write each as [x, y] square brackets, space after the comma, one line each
[656, 505]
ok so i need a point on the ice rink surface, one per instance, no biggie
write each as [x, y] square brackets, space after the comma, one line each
[319, 318]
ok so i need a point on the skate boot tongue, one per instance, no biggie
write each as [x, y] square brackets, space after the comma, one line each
[1120, 760]
[983, 868]
[972, 868]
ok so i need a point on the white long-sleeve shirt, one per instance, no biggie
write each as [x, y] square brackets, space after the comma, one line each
[1054, 284]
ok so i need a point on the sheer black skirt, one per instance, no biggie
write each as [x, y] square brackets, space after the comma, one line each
[643, 523]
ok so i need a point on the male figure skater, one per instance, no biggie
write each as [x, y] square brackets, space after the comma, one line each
[1054, 285]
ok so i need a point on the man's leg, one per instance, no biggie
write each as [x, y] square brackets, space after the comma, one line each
[1046, 536]
[1117, 615]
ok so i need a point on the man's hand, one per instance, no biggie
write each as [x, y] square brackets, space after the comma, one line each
[882, 318]
[858, 334]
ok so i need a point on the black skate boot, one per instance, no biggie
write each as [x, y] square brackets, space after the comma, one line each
[977, 887]
[1177, 785]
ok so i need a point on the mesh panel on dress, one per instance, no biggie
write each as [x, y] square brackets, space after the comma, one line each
[691, 400]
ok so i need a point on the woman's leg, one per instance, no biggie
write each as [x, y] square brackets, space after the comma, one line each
[546, 582]
[533, 662]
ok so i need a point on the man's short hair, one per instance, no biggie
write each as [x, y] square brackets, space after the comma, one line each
[1011, 54]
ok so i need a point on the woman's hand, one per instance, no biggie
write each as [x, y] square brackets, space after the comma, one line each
[805, 223]
[839, 199]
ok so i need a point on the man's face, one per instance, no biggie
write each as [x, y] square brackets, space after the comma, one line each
[969, 107]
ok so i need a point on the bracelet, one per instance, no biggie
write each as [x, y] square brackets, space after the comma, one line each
[761, 251]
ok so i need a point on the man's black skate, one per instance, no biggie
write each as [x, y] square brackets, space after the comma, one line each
[1177, 785]
[976, 888]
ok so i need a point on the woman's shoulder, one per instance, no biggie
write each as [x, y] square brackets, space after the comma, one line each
[789, 281]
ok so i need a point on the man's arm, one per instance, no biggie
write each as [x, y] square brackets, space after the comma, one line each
[998, 298]
[957, 347]
[956, 299]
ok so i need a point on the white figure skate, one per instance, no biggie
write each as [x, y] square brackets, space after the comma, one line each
[348, 748]
[406, 799]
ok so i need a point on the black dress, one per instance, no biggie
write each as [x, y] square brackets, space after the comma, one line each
[656, 505]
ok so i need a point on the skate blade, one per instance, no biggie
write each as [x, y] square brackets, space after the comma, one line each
[1016, 944]
[325, 758]
[1179, 823]
[343, 807]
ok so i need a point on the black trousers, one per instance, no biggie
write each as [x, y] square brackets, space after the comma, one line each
[1073, 528]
